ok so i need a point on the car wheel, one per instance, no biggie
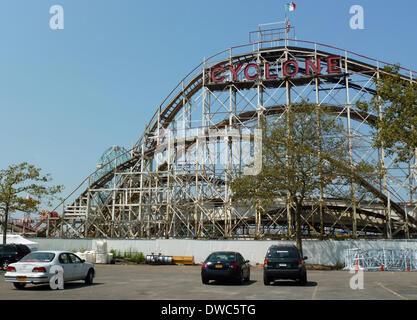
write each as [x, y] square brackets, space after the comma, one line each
[90, 276]
[267, 281]
[205, 280]
[18, 285]
[4, 264]
[247, 279]
[241, 278]
[303, 279]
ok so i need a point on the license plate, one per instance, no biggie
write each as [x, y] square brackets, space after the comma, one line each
[282, 264]
[218, 266]
[21, 279]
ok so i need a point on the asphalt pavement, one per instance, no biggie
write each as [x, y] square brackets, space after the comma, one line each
[144, 282]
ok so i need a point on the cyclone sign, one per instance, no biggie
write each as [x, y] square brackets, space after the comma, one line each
[290, 68]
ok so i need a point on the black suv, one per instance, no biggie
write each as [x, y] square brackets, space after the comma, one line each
[10, 253]
[284, 262]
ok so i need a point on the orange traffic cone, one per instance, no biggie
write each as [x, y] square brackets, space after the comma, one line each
[357, 265]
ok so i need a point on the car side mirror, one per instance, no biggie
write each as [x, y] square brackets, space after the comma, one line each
[305, 258]
[82, 260]
[246, 261]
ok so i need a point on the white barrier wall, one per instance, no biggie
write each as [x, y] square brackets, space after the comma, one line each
[327, 253]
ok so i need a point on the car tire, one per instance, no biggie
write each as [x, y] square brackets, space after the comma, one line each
[19, 286]
[303, 279]
[247, 279]
[90, 276]
[241, 278]
[205, 280]
[267, 281]
[4, 264]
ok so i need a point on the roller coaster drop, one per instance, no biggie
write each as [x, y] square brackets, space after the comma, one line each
[135, 195]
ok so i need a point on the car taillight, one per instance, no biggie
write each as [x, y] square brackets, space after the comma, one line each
[300, 262]
[234, 265]
[11, 269]
[203, 266]
[265, 262]
[39, 269]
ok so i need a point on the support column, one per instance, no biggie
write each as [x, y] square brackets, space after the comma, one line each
[113, 208]
[168, 186]
[86, 224]
[318, 113]
[349, 133]
[260, 115]
[388, 231]
[63, 220]
[288, 200]
[142, 169]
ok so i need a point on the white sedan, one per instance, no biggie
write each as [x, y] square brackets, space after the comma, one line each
[40, 266]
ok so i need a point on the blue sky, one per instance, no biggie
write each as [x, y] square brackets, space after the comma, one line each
[67, 95]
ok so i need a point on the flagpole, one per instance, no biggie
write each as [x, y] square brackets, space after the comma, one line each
[286, 24]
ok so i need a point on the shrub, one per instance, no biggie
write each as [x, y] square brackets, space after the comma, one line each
[116, 254]
[137, 257]
[140, 258]
[128, 255]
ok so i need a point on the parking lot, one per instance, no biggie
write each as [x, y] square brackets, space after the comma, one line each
[145, 282]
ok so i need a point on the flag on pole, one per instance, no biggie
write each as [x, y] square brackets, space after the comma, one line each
[290, 6]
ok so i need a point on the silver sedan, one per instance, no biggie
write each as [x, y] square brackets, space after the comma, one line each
[42, 267]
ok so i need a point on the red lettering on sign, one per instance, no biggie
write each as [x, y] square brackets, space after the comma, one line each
[235, 71]
[246, 71]
[285, 69]
[333, 63]
[290, 68]
[213, 74]
[316, 67]
[268, 74]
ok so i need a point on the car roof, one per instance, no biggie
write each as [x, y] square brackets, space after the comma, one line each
[283, 246]
[52, 251]
[13, 244]
[225, 252]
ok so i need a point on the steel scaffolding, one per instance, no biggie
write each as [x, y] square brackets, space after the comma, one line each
[393, 259]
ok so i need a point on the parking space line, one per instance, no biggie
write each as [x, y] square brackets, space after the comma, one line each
[392, 291]
[314, 292]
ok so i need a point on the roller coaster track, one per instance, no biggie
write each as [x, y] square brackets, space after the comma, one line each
[196, 80]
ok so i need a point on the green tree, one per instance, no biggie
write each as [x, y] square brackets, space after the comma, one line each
[303, 152]
[396, 103]
[23, 188]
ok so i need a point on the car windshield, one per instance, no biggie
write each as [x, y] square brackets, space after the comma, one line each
[277, 252]
[222, 257]
[38, 257]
